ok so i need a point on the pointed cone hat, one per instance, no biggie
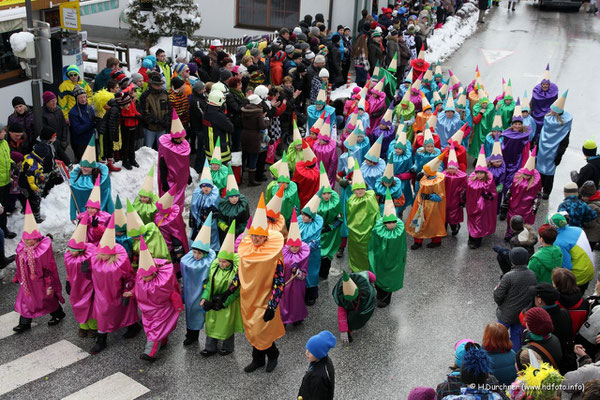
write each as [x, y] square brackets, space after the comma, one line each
[120, 218]
[77, 241]
[546, 75]
[530, 164]
[388, 173]
[503, 85]
[389, 210]
[452, 160]
[30, 228]
[349, 288]
[206, 176]
[351, 162]
[308, 155]
[351, 140]
[312, 206]
[393, 67]
[408, 77]
[283, 169]
[428, 76]
[376, 70]
[274, 205]
[497, 124]
[438, 70]
[259, 221]
[227, 250]
[454, 81]
[443, 92]
[325, 132]
[416, 85]
[148, 185]
[353, 118]
[202, 240]
[322, 95]
[379, 86]
[461, 102]
[108, 243]
[165, 203]
[436, 98]
[388, 116]
[449, 103]
[517, 112]
[232, 186]
[358, 181]
[401, 136]
[89, 155]
[459, 135]
[135, 225]
[362, 103]
[363, 92]
[323, 179]
[375, 150]
[559, 105]
[421, 55]
[496, 154]
[177, 130]
[146, 265]
[406, 98]
[508, 91]
[297, 136]
[481, 165]
[424, 102]
[316, 128]
[432, 120]
[216, 155]
[294, 238]
[481, 96]
[94, 199]
[433, 166]
[525, 102]
[427, 137]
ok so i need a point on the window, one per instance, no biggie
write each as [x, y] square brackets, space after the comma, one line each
[267, 14]
[9, 65]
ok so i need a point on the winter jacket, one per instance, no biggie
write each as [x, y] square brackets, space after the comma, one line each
[579, 212]
[179, 101]
[109, 125]
[221, 127]
[26, 121]
[48, 164]
[82, 124]
[32, 173]
[22, 146]
[512, 293]
[301, 83]
[405, 54]
[235, 100]
[155, 109]
[56, 120]
[311, 72]
[543, 262]
[575, 380]
[276, 72]
[551, 344]
[253, 123]
[375, 55]
[592, 228]
[197, 108]
[589, 172]
[392, 48]
[5, 163]
[563, 330]
[578, 309]
[453, 384]
[103, 77]
[503, 366]
[319, 381]
[335, 65]
[527, 244]
[166, 71]
[66, 101]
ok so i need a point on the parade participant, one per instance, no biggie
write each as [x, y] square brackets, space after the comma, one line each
[194, 272]
[306, 175]
[514, 145]
[362, 212]
[454, 84]
[261, 281]
[481, 204]
[326, 151]
[295, 258]
[79, 285]
[174, 162]
[169, 220]
[388, 182]
[310, 227]
[464, 113]
[494, 135]
[554, 140]
[484, 121]
[405, 111]
[455, 183]
[330, 209]
[418, 65]
[438, 103]
[402, 156]
[362, 143]
[373, 166]
[461, 153]
[152, 236]
[121, 229]
[376, 99]
[294, 151]
[387, 253]
[448, 122]
[205, 201]
[82, 182]
[345, 172]
[429, 126]
[422, 116]
[426, 88]
[355, 297]
[543, 96]
[425, 154]
[290, 200]
[313, 132]
[218, 172]
[427, 218]
[506, 109]
[96, 218]
[233, 207]
[275, 220]
[145, 202]
[528, 120]
[314, 111]
[158, 296]
[415, 95]
[385, 129]
[319, 380]
[351, 122]
[363, 114]
[524, 195]
[40, 290]
[497, 168]
[114, 280]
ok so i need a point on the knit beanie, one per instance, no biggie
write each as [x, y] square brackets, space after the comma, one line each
[135, 77]
[459, 351]
[546, 292]
[589, 148]
[147, 63]
[588, 189]
[47, 96]
[289, 49]
[47, 133]
[320, 344]
[179, 67]
[421, 393]
[557, 220]
[123, 98]
[77, 91]
[17, 101]
[255, 52]
[570, 189]
[193, 68]
[538, 321]
[320, 59]
[198, 86]
[476, 366]
[177, 82]
[518, 256]
[224, 74]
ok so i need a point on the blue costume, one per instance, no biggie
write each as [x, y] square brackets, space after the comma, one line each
[82, 186]
[446, 127]
[421, 158]
[395, 192]
[529, 122]
[201, 206]
[313, 114]
[194, 273]
[362, 149]
[402, 165]
[372, 172]
[311, 235]
[551, 136]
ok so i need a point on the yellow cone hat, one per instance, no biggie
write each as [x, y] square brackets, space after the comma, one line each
[433, 166]
[147, 188]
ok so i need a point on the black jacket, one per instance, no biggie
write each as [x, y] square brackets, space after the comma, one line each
[56, 120]
[109, 125]
[221, 125]
[589, 172]
[550, 344]
[375, 54]
[197, 109]
[319, 381]
[235, 103]
[335, 64]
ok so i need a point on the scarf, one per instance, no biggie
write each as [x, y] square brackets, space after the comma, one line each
[27, 258]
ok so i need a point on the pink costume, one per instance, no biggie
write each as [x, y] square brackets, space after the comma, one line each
[456, 185]
[482, 201]
[171, 225]
[523, 195]
[82, 288]
[94, 233]
[36, 272]
[111, 280]
[376, 100]
[292, 304]
[175, 159]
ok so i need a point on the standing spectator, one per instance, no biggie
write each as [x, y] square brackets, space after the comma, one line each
[403, 58]
[579, 212]
[335, 62]
[197, 109]
[53, 118]
[219, 126]
[23, 115]
[319, 380]
[129, 129]
[112, 63]
[392, 46]
[253, 122]
[347, 54]
[591, 170]
[108, 130]
[360, 57]
[81, 117]
[164, 67]
[148, 65]
[66, 97]
[182, 71]
[32, 179]
[6, 164]
[300, 82]
[482, 5]
[375, 51]
[235, 100]
[276, 67]
[314, 69]
[4, 261]
[590, 195]
[156, 110]
[179, 101]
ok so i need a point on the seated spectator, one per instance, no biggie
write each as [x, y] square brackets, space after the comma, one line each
[539, 338]
[496, 342]
[548, 257]
[579, 212]
[523, 235]
[570, 297]
[591, 196]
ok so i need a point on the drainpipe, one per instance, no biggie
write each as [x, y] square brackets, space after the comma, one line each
[330, 12]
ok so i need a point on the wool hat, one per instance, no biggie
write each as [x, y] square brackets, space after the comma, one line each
[538, 321]
[179, 67]
[588, 189]
[421, 393]
[47, 133]
[123, 98]
[323, 73]
[309, 55]
[254, 99]
[198, 85]
[459, 351]
[570, 189]
[78, 91]
[72, 69]
[320, 344]
[17, 100]
[518, 256]
[319, 59]
[517, 223]
[589, 148]
[177, 82]
[546, 292]
[137, 77]
[47, 96]
[224, 74]
[147, 63]
[476, 366]
[279, 56]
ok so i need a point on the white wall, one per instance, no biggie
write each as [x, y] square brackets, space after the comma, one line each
[7, 93]
[108, 19]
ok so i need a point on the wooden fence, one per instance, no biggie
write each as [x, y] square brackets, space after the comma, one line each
[229, 45]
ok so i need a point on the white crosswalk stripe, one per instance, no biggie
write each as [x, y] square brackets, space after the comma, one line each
[114, 387]
[38, 364]
[7, 322]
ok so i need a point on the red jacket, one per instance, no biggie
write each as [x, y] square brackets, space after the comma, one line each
[276, 72]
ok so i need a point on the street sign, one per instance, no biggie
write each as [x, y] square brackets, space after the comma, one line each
[69, 16]
[180, 40]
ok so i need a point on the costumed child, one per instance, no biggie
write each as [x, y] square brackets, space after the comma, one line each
[454, 85]
[385, 130]
[373, 166]
[448, 122]
[294, 151]
[145, 202]
[363, 115]
[429, 126]
[326, 151]
[40, 290]
[401, 155]
[151, 233]
[483, 122]
[362, 212]
[114, 280]
[169, 220]
[387, 253]
[464, 113]
[426, 86]
[543, 96]
[82, 182]
[261, 286]
[495, 134]
[205, 200]
[362, 143]
[482, 200]
[427, 218]
[194, 272]
[121, 236]
[158, 296]
[330, 209]
[351, 122]
[524, 196]
[97, 219]
[306, 175]
[405, 111]
[355, 297]
[438, 77]
[415, 95]
[425, 154]
[218, 171]
[275, 219]
[498, 170]
[314, 111]
[455, 182]
[514, 145]
[295, 258]
[291, 200]
[344, 178]
[461, 152]
[222, 305]
[310, 226]
[507, 107]
[79, 284]
[422, 116]
[418, 65]
[314, 131]
[233, 207]
[376, 99]
[528, 120]
[389, 182]
[319, 380]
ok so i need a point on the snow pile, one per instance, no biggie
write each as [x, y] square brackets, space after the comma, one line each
[55, 207]
[447, 39]
[343, 92]
[19, 40]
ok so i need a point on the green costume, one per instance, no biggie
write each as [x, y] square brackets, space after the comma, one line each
[293, 156]
[507, 111]
[219, 177]
[359, 310]
[227, 321]
[146, 211]
[406, 114]
[273, 183]
[543, 262]
[362, 214]
[238, 212]
[481, 129]
[390, 80]
[387, 255]
[290, 200]
[331, 234]
[155, 241]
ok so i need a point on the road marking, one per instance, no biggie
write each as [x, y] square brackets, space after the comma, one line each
[38, 364]
[114, 387]
[494, 55]
[7, 322]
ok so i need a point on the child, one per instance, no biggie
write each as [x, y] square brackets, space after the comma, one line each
[344, 177]
[363, 114]
[483, 122]
[498, 170]
[507, 107]
[373, 166]
[233, 207]
[363, 143]
[145, 202]
[295, 258]
[376, 99]
[32, 179]
[290, 200]
[179, 100]
[97, 219]
[579, 212]
[306, 175]
[388, 182]
[461, 152]
[385, 130]
[319, 380]
[589, 194]
[194, 272]
[425, 154]
[482, 199]
[159, 298]
[422, 116]
[355, 297]
[294, 151]
[130, 119]
[330, 209]
[514, 145]
[401, 155]
[455, 182]
[494, 135]
[310, 231]
[169, 221]
[548, 257]
[222, 306]
[405, 111]
[205, 200]
[326, 151]
[79, 284]
[217, 171]
[173, 161]
[276, 221]
[313, 132]
[448, 121]
[40, 291]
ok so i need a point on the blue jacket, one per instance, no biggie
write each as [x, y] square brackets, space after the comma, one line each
[503, 366]
[579, 212]
[82, 126]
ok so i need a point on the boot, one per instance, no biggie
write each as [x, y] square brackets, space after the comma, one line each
[272, 355]
[82, 333]
[325, 267]
[111, 166]
[57, 317]
[22, 328]
[92, 333]
[132, 331]
[191, 337]
[252, 178]
[100, 343]
[5, 261]
[340, 252]
[258, 360]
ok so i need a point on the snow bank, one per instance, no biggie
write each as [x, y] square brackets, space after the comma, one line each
[342, 92]
[447, 39]
[19, 40]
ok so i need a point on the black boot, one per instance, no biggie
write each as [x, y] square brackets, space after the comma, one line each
[258, 360]
[57, 316]
[252, 178]
[325, 267]
[132, 331]
[5, 261]
[191, 336]
[22, 328]
[272, 355]
[100, 343]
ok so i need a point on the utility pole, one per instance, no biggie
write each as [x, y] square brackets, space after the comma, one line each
[36, 82]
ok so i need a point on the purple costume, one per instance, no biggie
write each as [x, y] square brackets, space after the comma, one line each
[482, 199]
[540, 103]
[171, 226]
[388, 135]
[292, 304]
[499, 174]
[513, 145]
[376, 104]
[82, 288]
[456, 185]
[176, 158]
[327, 153]
[94, 234]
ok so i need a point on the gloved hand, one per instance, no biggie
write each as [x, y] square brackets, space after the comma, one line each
[222, 225]
[269, 314]
[95, 222]
[344, 183]
[574, 176]
[217, 302]
[487, 196]
[68, 287]
[85, 266]
[425, 196]
[344, 337]
[208, 305]
[189, 180]
[326, 228]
